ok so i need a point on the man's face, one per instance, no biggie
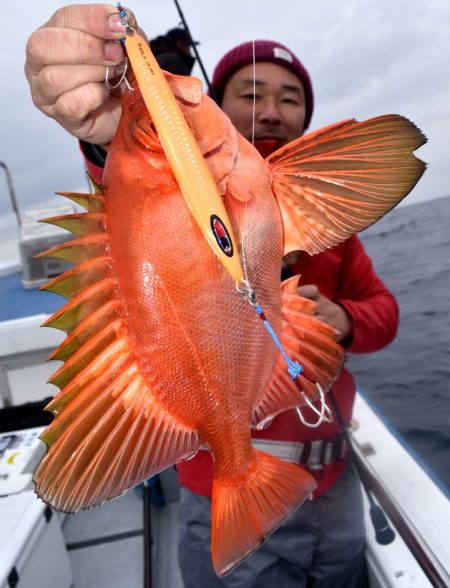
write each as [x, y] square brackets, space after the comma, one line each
[279, 102]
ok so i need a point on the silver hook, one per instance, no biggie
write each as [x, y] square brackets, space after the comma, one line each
[123, 78]
[244, 288]
[324, 415]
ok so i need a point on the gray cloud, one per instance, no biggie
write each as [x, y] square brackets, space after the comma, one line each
[366, 58]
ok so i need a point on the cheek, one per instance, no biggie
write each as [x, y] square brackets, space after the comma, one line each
[241, 117]
[295, 123]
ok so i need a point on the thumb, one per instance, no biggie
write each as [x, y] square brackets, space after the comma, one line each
[310, 291]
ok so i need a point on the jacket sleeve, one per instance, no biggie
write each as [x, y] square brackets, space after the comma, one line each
[372, 308]
[94, 155]
[94, 159]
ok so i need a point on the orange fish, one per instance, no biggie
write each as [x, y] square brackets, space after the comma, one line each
[162, 353]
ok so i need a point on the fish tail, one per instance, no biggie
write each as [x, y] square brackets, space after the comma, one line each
[249, 507]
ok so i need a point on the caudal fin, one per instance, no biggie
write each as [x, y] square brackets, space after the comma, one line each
[248, 508]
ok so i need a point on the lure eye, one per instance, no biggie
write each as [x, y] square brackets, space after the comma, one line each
[222, 236]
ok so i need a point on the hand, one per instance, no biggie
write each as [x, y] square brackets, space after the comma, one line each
[65, 66]
[328, 311]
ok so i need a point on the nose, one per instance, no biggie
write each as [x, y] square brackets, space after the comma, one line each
[268, 113]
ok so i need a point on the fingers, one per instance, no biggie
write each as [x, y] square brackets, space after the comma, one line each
[66, 63]
[86, 113]
[57, 46]
[74, 106]
[309, 291]
[78, 34]
[65, 66]
[55, 80]
[100, 20]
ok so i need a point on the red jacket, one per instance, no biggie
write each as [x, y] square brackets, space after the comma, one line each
[345, 275]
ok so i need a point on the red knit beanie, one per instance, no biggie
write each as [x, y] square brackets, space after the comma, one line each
[264, 51]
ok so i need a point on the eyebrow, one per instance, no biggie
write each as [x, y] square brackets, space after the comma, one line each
[287, 87]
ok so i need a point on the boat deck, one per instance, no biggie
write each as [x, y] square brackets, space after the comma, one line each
[106, 545]
[16, 302]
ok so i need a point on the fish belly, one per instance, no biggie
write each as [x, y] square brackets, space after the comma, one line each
[200, 346]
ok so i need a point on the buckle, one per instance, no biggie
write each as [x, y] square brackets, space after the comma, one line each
[318, 453]
[315, 455]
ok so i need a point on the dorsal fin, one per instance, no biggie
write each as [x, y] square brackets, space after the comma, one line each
[78, 250]
[109, 432]
[90, 202]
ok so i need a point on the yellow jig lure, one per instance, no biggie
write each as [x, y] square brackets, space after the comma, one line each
[194, 178]
[185, 158]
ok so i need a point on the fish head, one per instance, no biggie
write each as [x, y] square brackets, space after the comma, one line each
[138, 164]
[137, 138]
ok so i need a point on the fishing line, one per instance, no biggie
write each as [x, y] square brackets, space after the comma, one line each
[254, 93]
[191, 171]
[293, 367]
[244, 232]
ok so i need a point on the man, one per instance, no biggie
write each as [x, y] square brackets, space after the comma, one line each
[173, 51]
[322, 544]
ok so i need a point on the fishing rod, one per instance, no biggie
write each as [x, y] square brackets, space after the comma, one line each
[384, 535]
[194, 48]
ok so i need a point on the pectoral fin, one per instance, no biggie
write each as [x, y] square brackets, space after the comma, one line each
[341, 179]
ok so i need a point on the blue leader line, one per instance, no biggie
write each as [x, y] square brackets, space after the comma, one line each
[122, 13]
[294, 368]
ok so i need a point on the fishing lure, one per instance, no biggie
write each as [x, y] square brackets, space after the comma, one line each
[186, 160]
[195, 180]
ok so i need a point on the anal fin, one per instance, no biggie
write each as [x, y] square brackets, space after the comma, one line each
[111, 436]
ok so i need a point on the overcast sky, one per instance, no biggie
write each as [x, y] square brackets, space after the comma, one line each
[365, 57]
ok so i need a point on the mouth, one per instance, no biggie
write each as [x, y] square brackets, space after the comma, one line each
[269, 136]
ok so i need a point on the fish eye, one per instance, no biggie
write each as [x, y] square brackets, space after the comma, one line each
[144, 133]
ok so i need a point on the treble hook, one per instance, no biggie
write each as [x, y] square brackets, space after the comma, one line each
[325, 414]
[123, 78]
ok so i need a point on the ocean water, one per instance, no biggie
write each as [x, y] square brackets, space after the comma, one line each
[410, 379]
